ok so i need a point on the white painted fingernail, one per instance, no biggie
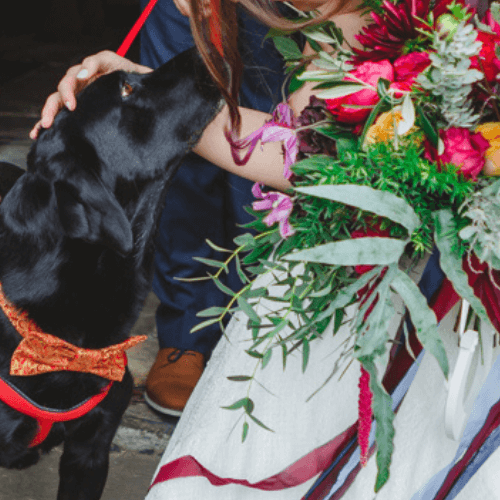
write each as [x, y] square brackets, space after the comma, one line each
[83, 74]
[68, 105]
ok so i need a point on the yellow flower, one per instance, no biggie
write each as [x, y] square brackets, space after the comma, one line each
[491, 132]
[383, 128]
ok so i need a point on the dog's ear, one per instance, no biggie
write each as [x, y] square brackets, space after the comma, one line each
[90, 212]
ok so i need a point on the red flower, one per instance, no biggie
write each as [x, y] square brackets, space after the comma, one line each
[370, 73]
[464, 149]
[407, 68]
[487, 61]
[365, 414]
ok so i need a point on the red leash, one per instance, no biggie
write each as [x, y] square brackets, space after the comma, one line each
[214, 23]
[136, 28]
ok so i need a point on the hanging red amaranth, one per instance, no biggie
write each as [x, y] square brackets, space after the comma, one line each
[365, 414]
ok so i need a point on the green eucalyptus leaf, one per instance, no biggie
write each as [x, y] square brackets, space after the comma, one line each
[239, 378]
[305, 354]
[241, 403]
[223, 288]
[423, 318]
[260, 423]
[345, 296]
[287, 47]
[212, 245]
[248, 310]
[366, 198]
[340, 90]
[204, 324]
[374, 340]
[266, 358]
[244, 432]
[211, 311]
[211, 263]
[451, 264]
[361, 251]
[254, 354]
[244, 240]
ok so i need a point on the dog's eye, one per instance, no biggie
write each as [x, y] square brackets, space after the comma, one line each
[127, 89]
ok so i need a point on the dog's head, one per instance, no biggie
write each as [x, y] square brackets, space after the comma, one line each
[128, 132]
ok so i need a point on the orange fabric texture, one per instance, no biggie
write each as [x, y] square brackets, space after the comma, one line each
[40, 352]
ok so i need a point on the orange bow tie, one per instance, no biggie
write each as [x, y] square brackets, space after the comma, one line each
[41, 352]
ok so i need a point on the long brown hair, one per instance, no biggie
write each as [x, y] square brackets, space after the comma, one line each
[226, 70]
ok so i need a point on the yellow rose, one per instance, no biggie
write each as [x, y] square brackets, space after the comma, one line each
[383, 128]
[491, 132]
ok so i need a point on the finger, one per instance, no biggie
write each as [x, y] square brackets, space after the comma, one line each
[35, 130]
[68, 88]
[52, 106]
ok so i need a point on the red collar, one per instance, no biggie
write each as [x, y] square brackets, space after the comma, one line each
[46, 416]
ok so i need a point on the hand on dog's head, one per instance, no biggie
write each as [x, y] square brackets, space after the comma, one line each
[127, 131]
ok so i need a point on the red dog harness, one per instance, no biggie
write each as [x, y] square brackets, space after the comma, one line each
[40, 352]
[46, 416]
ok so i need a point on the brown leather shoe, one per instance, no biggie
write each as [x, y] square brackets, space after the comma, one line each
[172, 379]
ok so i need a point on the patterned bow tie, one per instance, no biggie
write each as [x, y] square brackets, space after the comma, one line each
[40, 352]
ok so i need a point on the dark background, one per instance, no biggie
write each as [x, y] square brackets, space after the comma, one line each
[31, 28]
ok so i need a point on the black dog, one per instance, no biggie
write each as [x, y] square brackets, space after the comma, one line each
[76, 247]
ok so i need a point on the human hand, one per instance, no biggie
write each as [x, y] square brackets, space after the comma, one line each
[77, 78]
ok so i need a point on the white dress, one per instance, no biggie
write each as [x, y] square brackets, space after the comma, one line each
[213, 436]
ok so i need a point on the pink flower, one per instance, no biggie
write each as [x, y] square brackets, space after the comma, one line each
[346, 109]
[408, 67]
[280, 128]
[464, 149]
[365, 414]
[281, 207]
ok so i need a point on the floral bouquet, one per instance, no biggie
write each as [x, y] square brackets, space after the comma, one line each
[395, 154]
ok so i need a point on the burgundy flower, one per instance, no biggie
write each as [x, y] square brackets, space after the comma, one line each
[311, 142]
[392, 34]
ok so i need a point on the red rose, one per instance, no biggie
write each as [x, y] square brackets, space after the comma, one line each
[368, 72]
[407, 68]
[465, 150]
[487, 61]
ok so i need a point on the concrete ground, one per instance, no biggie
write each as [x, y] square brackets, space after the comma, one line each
[29, 72]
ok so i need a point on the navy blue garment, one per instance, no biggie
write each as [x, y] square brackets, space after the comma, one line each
[203, 201]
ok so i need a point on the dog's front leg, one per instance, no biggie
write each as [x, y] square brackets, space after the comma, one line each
[83, 469]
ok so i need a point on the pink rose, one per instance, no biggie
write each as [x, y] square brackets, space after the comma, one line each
[407, 68]
[465, 150]
[370, 73]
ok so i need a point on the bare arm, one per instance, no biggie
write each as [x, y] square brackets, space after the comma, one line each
[265, 164]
